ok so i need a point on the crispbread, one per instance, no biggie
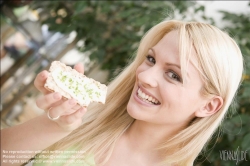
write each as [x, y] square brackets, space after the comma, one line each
[72, 84]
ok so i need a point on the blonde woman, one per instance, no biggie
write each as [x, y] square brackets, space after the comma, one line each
[161, 110]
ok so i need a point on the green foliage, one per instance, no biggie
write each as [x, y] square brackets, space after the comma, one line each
[111, 29]
[235, 129]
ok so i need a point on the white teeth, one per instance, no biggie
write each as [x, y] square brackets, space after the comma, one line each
[146, 98]
[147, 101]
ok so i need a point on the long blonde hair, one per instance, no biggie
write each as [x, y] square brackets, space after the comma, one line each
[220, 65]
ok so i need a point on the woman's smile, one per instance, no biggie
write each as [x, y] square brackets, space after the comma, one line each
[159, 94]
[145, 98]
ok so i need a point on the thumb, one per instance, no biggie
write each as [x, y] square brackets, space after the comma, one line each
[79, 67]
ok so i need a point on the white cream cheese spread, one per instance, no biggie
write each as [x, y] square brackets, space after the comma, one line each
[72, 84]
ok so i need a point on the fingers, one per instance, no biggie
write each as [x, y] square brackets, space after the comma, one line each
[56, 105]
[77, 107]
[79, 67]
[49, 100]
[40, 81]
[75, 116]
[64, 109]
[66, 113]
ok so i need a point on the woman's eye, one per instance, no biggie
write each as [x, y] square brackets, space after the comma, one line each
[174, 76]
[151, 59]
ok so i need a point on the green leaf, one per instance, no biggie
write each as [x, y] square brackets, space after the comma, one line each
[200, 8]
[79, 6]
[246, 142]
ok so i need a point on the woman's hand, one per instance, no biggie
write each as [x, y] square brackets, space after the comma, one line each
[69, 112]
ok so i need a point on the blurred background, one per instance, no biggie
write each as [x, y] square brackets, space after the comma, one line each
[104, 35]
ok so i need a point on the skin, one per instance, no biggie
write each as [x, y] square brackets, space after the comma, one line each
[69, 111]
[154, 123]
[160, 76]
[179, 101]
[28, 136]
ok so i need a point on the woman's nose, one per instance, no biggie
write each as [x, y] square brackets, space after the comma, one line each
[148, 78]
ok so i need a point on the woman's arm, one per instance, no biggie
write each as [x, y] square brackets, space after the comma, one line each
[37, 134]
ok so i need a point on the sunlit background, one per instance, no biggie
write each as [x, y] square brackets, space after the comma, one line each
[104, 36]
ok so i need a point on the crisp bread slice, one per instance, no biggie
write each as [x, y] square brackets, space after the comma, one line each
[72, 84]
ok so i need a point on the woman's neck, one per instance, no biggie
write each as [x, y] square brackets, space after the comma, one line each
[144, 136]
[138, 144]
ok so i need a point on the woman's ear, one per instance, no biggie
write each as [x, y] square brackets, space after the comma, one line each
[211, 107]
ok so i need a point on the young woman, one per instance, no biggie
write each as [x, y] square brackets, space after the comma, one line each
[161, 110]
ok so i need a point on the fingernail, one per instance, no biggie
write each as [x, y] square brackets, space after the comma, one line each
[72, 102]
[43, 75]
[56, 96]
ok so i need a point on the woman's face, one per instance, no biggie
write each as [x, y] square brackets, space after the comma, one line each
[159, 95]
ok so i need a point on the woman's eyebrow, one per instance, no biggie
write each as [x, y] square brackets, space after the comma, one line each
[152, 49]
[168, 64]
[178, 66]
[173, 64]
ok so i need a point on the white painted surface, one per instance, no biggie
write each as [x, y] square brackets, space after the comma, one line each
[212, 8]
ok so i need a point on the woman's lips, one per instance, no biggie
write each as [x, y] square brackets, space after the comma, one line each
[145, 98]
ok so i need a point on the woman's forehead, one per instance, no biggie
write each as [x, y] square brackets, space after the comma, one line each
[169, 44]
[170, 47]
